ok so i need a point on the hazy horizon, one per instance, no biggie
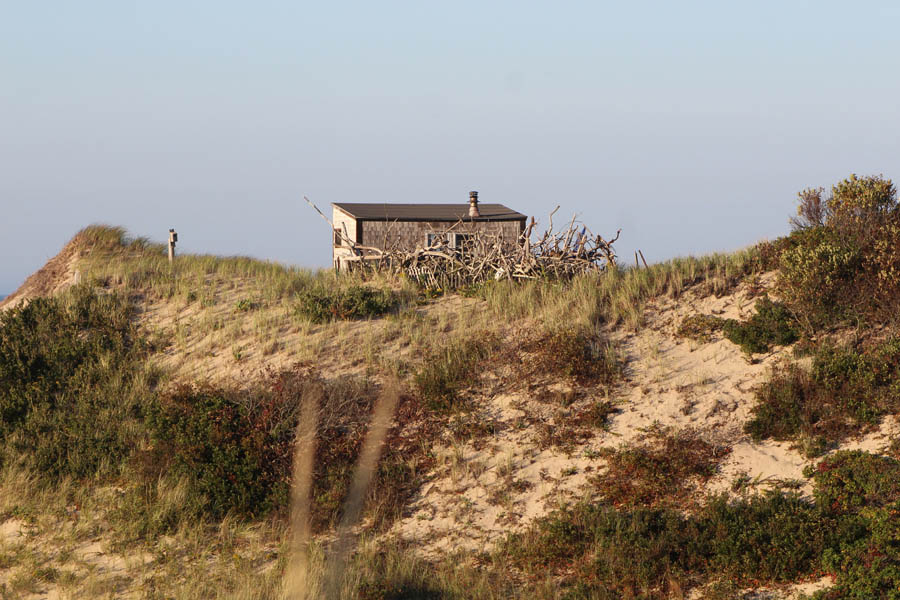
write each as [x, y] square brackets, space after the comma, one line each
[691, 127]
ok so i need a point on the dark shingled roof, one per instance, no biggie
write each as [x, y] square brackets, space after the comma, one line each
[427, 212]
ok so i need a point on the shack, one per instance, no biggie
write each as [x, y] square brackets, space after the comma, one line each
[406, 227]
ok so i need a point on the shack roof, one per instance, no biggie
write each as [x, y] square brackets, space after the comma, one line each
[427, 212]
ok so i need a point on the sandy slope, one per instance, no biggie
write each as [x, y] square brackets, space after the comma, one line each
[485, 486]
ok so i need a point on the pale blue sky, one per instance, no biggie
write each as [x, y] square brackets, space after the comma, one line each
[690, 125]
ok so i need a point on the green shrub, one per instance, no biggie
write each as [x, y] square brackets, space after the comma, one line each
[857, 200]
[700, 328]
[235, 447]
[843, 259]
[772, 325]
[774, 537]
[71, 384]
[321, 305]
[236, 458]
[817, 276]
[862, 491]
[245, 305]
[661, 471]
[850, 480]
[601, 552]
[846, 390]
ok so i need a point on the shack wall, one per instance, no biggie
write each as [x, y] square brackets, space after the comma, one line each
[409, 235]
[347, 225]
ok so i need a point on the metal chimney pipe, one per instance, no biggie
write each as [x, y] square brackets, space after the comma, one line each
[473, 205]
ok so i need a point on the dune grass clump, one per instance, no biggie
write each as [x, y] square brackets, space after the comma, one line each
[450, 368]
[111, 258]
[846, 390]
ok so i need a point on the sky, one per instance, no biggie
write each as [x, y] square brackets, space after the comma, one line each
[691, 125]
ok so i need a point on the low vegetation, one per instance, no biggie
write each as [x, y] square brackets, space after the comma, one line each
[84, 424]
[771, 325]
[72, 385]
[321, 304]
[846, 390]
[663, 470]
[598, 551]
[450, 368]
[583, 356]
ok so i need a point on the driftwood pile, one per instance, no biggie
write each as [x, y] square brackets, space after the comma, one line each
[483, 256]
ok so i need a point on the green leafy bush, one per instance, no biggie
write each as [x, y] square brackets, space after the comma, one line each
[71, 384]
[772, 325]
[818, 276]
[845, 390]
[233, 452]
[842, 261]
[850, 480]
[602, 552]
[700, 328]
[862, 492]
[235, 447]
[857, 200]
[321, 305]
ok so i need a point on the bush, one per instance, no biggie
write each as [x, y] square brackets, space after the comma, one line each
[818, 275]
[845, 390]
[321, 305]
[661, 471]
[602, 552]
[236, 454]
[71, 384]
[235, 447]
[843, 259]
[700, 328]
[850, 480]
[775, 537]
[771, 325]
[862, 491]
[857, 201]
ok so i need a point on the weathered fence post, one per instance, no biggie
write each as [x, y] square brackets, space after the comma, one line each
[173, 237]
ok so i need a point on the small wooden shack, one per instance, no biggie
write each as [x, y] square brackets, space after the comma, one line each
[406, 227]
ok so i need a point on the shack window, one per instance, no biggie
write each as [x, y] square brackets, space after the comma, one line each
[338, 240]
[433, 240]
[462, 241]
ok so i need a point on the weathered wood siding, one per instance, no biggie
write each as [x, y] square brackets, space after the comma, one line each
[409, 235]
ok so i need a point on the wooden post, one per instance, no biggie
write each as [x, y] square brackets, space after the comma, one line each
[173, 237]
